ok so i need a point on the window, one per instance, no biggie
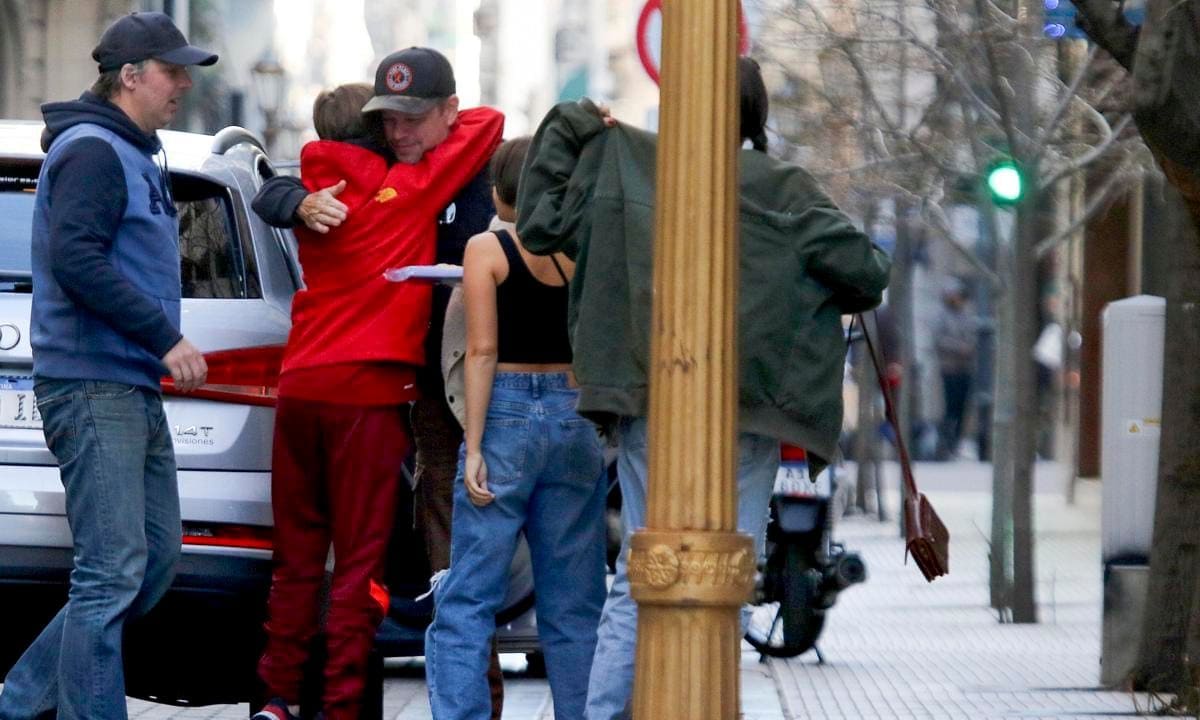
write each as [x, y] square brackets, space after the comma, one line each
[17, 184]
[214, 262]
[211, 261]
[16, 217]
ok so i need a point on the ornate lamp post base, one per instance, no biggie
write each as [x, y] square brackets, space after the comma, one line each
[689, 586]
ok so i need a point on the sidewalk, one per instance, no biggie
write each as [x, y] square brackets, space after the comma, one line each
[897, 647]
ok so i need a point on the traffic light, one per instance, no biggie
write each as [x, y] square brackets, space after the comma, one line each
[1005, 182]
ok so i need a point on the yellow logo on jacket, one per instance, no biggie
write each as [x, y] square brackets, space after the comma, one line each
[386, 195]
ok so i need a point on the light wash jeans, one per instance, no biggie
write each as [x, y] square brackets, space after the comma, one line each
[117, 465]
[546, 469]
[610, 689]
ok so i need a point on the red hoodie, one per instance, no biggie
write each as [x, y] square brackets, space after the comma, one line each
[348, 313]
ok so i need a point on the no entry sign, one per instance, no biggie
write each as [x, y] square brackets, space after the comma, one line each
[649, 36]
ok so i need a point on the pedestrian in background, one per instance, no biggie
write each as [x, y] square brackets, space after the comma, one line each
[529, 464]
[588, 191]
[955, 337]
[105, 328]
[349, 368]
[286, 202]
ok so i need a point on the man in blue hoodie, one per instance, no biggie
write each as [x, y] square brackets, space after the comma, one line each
[105, 328]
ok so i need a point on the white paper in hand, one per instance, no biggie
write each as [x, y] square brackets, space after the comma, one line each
[444, 274]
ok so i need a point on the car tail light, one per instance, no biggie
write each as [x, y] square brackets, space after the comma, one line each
[791, 453]
[225, 535]
[249, 376]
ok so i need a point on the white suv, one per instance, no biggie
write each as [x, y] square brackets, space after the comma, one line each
[238, 278]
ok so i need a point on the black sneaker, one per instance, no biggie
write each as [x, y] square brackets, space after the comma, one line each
[276, 709]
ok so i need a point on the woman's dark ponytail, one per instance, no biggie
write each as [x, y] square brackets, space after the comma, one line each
[754, 103]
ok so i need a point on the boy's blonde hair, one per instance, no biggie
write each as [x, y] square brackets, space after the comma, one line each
[337, 113]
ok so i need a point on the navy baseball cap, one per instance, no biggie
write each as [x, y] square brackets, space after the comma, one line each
[143, 35]
[412, 81]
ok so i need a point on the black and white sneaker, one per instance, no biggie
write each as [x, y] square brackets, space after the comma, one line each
[276, 709]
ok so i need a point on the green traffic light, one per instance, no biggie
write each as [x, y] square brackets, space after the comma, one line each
[1005, 183]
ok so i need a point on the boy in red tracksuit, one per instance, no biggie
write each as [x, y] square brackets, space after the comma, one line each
[348, 372]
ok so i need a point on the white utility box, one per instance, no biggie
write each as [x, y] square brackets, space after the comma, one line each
[1131, 424]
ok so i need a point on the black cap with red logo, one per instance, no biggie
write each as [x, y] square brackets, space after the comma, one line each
[143, 35]
[412, 81]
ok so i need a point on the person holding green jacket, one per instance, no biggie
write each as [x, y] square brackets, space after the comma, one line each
[587, 189]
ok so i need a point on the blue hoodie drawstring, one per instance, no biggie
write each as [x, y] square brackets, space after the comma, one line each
[164, 182]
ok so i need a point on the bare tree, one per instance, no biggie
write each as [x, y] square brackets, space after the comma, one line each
[1161, 57]
[911, 100]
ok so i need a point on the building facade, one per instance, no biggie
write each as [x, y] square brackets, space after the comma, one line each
[40, 57]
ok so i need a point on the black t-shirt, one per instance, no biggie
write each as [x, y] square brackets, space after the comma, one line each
[467, 216]
[531, 316]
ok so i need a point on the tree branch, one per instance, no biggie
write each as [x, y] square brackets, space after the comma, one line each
[1008, 124]
[952, 70]
[941, 224]
[1090, 156]
[1100, 201]
[870, 165]
[1069, 97]
[843, 44]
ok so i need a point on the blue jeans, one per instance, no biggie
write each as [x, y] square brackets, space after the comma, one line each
[610, 689]
[545, 467]
[117, 465]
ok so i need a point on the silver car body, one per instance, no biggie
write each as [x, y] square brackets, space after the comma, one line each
[223, 450]
[239, 277]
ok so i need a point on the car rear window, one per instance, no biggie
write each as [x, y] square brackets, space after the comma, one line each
[214, 260]
[16, 216]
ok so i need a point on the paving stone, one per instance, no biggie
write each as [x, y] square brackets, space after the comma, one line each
[898, 646]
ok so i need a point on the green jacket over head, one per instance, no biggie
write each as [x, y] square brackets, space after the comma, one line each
[588, 191]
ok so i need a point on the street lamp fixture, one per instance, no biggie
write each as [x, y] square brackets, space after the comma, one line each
[269, 85]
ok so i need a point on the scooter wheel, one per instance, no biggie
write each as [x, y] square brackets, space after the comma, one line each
[789, 625]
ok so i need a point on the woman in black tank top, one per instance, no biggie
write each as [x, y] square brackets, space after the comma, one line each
[529, 463]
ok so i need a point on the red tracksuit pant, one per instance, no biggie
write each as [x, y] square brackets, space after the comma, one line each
[335, 475]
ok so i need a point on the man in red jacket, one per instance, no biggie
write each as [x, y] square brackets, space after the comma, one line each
[350, 369]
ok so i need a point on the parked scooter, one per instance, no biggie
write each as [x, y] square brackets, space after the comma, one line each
[803, 570]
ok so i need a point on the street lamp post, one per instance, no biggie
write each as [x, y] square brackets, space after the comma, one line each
[690, 570]
[269, 85]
